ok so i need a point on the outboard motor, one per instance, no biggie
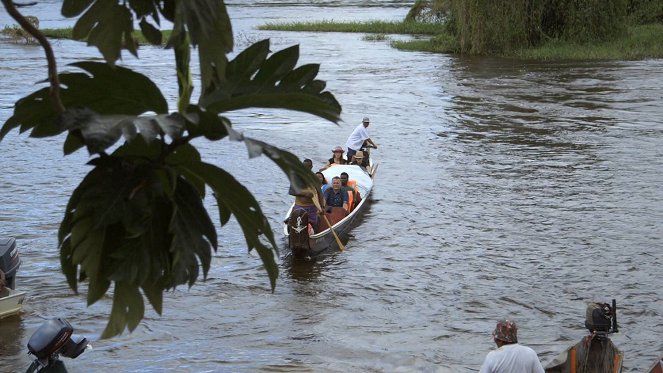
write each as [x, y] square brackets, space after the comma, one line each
[9, 261]
[52, 339]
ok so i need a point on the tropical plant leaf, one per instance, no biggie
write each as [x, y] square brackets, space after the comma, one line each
[108, 26]
[143, 8]
[275, 84]
[151, 33]
[128, 309]
[193, 232]
[205, 123]
[234, 197]
[277, 66]
[208, 26]
[105, 91]
[72, 8]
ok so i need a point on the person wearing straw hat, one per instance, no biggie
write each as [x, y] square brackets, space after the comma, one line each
[337, 158]
[510, 357]
[358, 137]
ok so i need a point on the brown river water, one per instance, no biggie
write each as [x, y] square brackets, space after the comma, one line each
[506, 189]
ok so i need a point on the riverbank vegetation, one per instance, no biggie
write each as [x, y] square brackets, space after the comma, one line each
[16, 34]
[532, 29]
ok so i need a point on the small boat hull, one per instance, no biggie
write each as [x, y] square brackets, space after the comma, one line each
[12, 303]
[658, 367]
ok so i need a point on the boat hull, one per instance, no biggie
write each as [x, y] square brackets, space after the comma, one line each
[12, 303]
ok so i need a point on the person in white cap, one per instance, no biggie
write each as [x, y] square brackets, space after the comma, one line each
[358, 137]
[510, 357]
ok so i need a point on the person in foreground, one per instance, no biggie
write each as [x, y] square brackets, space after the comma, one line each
[357, 138]
[510, 357]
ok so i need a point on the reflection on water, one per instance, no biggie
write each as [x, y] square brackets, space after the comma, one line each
[506, 189]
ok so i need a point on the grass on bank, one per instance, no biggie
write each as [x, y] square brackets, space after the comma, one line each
[374, 27]
[640, 42]
[68, 33]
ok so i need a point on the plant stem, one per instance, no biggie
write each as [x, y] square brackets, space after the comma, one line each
[50, 57]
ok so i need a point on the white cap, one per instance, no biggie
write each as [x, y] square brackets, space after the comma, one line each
[365, 120]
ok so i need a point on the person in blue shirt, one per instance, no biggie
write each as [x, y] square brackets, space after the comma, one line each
[335, 196]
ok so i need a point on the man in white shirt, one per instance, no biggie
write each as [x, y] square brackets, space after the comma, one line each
[357, 138]
[510, 357]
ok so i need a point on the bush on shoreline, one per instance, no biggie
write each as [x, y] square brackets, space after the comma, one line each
[639, 42]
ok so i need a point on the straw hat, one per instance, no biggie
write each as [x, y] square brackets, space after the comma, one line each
[338, 149]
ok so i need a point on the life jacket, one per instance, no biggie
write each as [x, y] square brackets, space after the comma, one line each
[351, 195]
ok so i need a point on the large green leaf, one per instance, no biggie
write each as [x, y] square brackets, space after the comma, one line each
[128, 309]
[72, 8]
[193, 232]
[255, 80]
[151, 33]
[208, 26]
[234, 197]
[103, 91]
[108, 26]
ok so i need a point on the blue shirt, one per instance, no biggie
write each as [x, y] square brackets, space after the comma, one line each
[334, 199]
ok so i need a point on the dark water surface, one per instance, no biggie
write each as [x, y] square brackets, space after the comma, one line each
[506, 189]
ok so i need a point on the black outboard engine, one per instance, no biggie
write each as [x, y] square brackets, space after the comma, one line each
[9, 261]
[601, 319]
[52, 339]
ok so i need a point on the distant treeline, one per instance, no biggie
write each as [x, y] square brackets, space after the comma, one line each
[499, 26]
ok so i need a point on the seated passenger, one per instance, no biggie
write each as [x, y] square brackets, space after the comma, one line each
[353, 199]
[337, 158]
[358, 159]
[323, 181]
[335, 196]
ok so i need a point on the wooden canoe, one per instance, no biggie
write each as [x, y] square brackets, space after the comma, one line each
[304, 245]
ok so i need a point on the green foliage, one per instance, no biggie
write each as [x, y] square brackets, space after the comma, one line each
[136, 225]
[502, 26]
[17, 34]
[483, 27]
[375, 37]
[645, 11]
[639, 42]
[584, 21]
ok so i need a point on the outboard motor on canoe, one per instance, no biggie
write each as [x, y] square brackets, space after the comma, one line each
[298, 232]
[601, 319]
[595, 353]
[9, 261]
[54, 338]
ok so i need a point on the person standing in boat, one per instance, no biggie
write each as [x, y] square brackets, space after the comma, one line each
[335, 196]
[510, 357]
[357, 138]
[337, 158]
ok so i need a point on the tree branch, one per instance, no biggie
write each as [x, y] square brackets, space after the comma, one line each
[50, 57]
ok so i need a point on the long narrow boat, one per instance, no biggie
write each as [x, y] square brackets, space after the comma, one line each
[296, 224]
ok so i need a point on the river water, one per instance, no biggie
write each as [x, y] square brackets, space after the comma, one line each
[506, 189]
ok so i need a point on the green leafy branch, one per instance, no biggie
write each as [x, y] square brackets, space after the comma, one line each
[137, 221]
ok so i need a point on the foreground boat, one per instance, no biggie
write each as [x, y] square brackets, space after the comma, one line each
[11, 300]
[303, 244]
